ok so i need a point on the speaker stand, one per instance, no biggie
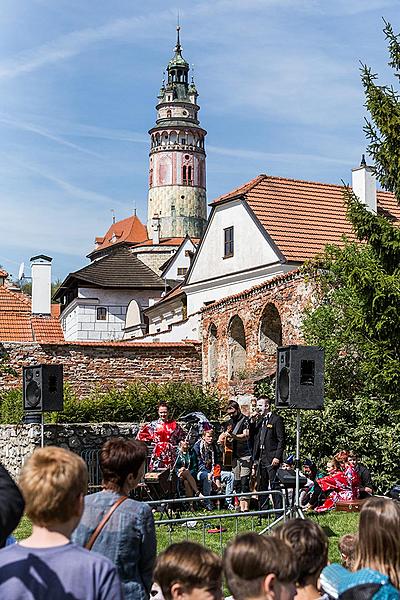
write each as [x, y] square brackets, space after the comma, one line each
[42, 429]
[295, 511]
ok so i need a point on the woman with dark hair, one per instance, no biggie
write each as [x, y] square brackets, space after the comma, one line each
[128, 536]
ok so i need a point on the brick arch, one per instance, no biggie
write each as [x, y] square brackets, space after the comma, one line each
[236, 347]
[212, 352]
[270, 329]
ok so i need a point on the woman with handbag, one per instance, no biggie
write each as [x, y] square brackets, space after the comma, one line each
[116, 526]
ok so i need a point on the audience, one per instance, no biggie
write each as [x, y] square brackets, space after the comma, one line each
[258, 567]
[188, 571]
[309, 544]
[11, 503]
[47, 565]
[128, 538]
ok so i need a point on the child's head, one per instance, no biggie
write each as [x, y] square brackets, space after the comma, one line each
[53, 482]
[257, 566]
[378, 545]
[309, 544]
[188, 571]
[347, 547]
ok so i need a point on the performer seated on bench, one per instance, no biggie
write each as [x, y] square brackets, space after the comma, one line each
[340, 485]
[186, 468]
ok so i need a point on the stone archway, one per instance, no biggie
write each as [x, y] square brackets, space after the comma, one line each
[212, 353]
[236, 347]
[270, 331]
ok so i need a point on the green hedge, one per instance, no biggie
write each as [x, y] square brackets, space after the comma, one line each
[135, 403]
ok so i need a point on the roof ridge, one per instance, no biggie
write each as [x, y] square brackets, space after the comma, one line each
[243, 189]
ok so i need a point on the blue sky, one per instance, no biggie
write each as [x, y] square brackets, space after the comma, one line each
[279, 89]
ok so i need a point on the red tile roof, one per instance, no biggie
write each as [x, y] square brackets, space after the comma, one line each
[3, 273]
[302, 216]
[128, 230]
[18, 325]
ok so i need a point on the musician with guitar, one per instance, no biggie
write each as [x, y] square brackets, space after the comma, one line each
[236, 438]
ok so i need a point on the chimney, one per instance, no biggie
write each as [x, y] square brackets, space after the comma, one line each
[364, 185]
[41, 284]
[155, 229]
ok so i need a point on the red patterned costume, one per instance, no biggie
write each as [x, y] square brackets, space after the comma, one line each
[165, 435]
[340, 485]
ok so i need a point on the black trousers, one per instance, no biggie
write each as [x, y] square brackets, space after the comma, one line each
[267, 479]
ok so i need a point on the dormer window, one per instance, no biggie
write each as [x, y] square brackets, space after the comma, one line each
[101, 313]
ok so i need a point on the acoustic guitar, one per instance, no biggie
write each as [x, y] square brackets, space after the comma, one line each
[228, 448]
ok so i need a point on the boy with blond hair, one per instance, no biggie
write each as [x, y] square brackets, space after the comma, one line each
[47, 565]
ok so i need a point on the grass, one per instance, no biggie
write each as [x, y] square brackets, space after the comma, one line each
[335, 524]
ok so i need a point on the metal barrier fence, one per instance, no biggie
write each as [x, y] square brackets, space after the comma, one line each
[215, 529]
[91, 457]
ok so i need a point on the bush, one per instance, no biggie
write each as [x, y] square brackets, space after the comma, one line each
[135, 403]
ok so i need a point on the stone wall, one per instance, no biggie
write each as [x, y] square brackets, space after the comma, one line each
[107, 365]
[279, 302]
[17, 442]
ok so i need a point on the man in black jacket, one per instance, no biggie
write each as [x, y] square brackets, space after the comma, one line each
[11, 505]
[268, 447]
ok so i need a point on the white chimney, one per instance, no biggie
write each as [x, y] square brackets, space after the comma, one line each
[41, 284]
[364, 185]
[155, 229]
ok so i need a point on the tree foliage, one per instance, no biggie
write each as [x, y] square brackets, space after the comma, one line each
[357, 318]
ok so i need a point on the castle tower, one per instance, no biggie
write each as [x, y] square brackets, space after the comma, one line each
[177, 175]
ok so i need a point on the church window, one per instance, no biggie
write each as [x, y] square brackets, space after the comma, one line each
[270, 335]
[101, 313]
[228, 242]
[236, 348]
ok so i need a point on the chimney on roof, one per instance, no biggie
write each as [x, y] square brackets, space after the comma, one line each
[364, 185]
[155, 229]
[41, 284]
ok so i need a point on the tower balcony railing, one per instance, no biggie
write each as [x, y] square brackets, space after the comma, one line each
[187, 182]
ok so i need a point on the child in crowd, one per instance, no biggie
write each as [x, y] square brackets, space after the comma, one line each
[258, 567]
[188, 571]
[47, 565]
[309, 544]
[347, 547]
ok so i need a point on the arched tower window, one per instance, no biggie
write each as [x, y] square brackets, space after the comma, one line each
[169, 114]
[236, 347]
[190, 180]
[212, 353]
[270, 329]
[184, 174]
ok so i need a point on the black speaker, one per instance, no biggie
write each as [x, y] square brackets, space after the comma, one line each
[300, 377]
[288, 478]
[43, 388]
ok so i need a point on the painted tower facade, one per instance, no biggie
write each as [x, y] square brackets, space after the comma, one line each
[177, 174]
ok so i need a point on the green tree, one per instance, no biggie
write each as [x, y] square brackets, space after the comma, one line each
[357, 318]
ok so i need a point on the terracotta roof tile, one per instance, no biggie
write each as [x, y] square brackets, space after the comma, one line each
[128, 230]
[3, 273]
[302, 216]
[18, 325]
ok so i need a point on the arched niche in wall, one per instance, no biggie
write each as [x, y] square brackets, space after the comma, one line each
[270, 333]
[212, 353]
[134, 314]
[236, 347]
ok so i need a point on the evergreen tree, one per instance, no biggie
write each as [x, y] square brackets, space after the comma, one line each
[357, 319]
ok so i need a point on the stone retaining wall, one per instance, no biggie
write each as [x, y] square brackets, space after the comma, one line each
[17, 442]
